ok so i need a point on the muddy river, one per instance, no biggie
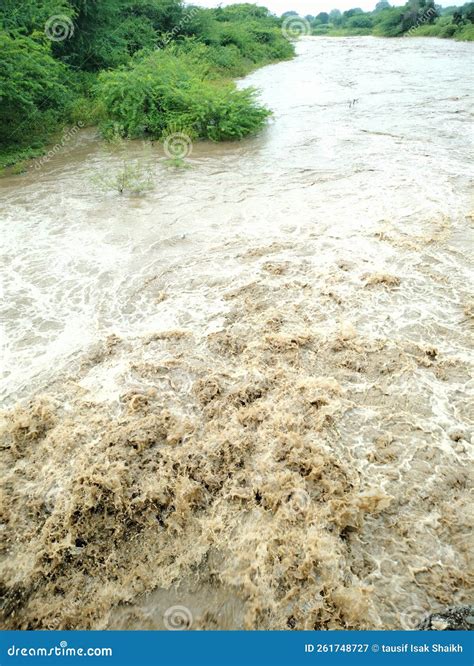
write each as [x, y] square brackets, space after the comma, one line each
[243, 399]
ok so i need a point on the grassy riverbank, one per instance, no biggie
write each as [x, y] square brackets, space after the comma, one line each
[134, 68]
[417, 18]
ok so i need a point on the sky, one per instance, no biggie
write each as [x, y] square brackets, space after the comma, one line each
[304, 7]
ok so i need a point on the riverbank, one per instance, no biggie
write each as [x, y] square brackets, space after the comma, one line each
[412, 19]
[186, 57]
[464, 34]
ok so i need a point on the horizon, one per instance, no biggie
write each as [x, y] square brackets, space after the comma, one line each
[308, 7]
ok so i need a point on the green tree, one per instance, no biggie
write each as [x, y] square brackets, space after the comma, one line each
[32, 89]
[27, 16]
[323, 17]
[360, 22]
[335, 17]
[468, 12]
[351, 12]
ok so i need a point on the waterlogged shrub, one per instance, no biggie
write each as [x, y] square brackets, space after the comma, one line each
[131, 178]
[227, 113]
[172, 89]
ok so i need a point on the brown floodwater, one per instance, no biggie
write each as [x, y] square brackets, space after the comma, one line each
[243, 399]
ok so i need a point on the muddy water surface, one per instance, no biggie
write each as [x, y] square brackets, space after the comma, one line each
[245, 394]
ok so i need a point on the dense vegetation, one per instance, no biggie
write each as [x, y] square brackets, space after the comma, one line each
[133, 67]
[151, 67]
[416, 18]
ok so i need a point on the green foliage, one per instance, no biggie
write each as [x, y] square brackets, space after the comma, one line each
[131, 178]
[19, 168]
[177, 163]
[323, 17]
[446, 29]
[142, 67]
[171, 88]
[391, 23]
[241, 12]
[416, 18]
[361, 22]
[321, 29]
[163, 15]
[28, 16]
[465, 33]
[33, 89]
[98, 40]
[102, 68]
[14, 153]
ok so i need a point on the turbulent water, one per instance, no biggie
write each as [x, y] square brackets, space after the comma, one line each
[242, 400]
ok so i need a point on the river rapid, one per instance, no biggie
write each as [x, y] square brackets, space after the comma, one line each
[244, 399]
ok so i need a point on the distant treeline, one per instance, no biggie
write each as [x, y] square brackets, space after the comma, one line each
[136, 68]
[417, 18]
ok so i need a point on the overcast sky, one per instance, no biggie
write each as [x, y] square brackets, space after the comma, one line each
[305, 7]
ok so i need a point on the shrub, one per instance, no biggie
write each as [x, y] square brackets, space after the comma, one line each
[321, 29]
[390, 23]
[131, 178]
[47, 82]
[171, 89]
[32, 88]
[465, 33]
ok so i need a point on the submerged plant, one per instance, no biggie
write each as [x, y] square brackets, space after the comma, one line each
[177, 163]
[129, 179]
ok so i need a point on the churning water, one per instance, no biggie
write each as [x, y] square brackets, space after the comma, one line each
[245, 394]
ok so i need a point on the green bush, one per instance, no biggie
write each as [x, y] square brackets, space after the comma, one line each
[33, 90]
[256, 43]
[465, 33]
[321, 29]
[231, 53]
[29, 16]
[131, 178]
[360, 22]
[445, 28]
[390, 23]
[102, 68]
[170, 89]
